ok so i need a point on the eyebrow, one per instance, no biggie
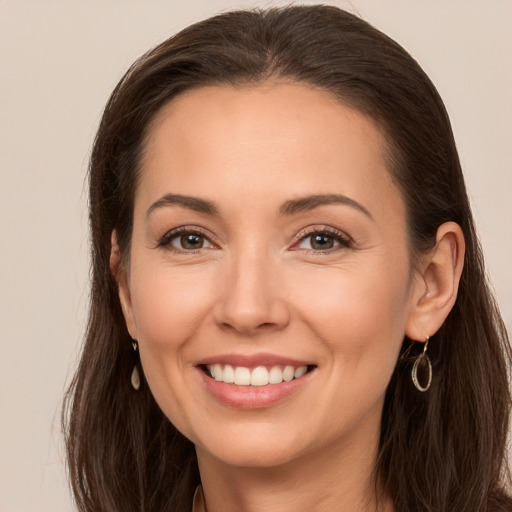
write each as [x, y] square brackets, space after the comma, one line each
[303, 204]
[291, 207]
[192, 203]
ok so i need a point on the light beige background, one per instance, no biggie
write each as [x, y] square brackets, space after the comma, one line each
[59, 61]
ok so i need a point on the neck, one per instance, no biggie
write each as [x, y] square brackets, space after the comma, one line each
[340, 477]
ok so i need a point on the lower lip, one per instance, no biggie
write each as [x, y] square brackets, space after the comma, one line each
[252, 397]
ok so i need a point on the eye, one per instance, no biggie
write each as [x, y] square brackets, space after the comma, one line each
[184, 239]
[188, 242]
[322, 240]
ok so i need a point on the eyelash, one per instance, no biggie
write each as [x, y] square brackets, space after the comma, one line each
[341, 238]
[166, 240]
[344, 241]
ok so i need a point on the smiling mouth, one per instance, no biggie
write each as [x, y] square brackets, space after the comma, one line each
[258, 376]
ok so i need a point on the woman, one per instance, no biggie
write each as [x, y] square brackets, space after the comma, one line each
[289, 308]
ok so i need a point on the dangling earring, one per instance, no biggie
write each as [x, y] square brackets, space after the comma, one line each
[135, 375]
[422, 363]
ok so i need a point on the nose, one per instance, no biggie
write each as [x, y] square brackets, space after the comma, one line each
[252, 299]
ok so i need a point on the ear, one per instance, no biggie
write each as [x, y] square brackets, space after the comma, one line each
[436, 283]
[120, 274]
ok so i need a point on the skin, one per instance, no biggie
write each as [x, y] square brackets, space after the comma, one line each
[259, 285]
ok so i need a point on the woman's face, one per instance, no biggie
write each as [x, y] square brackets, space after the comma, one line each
[268, 240]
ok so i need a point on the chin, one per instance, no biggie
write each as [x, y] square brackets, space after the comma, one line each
[258, 445]
[249, 455]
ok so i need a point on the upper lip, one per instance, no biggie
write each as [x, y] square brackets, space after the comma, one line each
[253, 360]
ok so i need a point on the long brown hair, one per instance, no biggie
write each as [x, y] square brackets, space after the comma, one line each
[443, 450]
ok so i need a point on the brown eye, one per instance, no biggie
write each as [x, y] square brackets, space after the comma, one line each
[188, 241]
[321, 242]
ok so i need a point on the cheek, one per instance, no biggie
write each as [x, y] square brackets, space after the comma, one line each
[360, 320]
[168, 305]
[359, 313]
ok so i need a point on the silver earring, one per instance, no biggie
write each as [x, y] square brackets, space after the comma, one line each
[422, 364]
[135, 376]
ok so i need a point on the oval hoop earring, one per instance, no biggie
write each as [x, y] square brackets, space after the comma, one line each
[422, 363]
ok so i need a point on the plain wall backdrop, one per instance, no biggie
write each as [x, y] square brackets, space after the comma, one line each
[59, 62]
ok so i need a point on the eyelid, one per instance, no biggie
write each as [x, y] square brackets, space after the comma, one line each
[165, 240]
[342, 237]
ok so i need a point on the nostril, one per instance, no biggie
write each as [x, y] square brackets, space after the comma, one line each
[248, 328]
[251, 311]
[265, 325]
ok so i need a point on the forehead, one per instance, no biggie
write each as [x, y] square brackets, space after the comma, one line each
[276, 139]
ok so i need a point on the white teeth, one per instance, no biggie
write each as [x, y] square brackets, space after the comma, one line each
[242, 376]
[229, 374]
[216, 371]
[275, 375]
[288, 373]
[259, 376]
[299, 372]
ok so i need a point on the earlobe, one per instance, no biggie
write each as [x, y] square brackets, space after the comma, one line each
[437, 283]
[120, 275]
